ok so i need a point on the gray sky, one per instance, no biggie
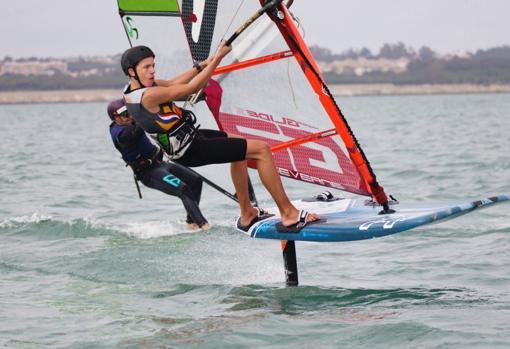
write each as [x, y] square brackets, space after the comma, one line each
[61, 28]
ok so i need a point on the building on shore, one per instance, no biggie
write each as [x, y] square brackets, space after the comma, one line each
[33, 68]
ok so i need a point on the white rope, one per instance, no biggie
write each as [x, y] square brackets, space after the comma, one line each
[232, 19]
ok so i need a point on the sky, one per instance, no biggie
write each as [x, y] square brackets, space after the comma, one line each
[64, 28]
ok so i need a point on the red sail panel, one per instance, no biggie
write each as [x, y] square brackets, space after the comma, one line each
[319, 161]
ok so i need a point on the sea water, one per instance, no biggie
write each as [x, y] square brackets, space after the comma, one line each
[84, 263]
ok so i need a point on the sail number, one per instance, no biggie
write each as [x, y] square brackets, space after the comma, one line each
[321, 161]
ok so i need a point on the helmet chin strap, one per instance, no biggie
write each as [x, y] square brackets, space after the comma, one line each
[137, 78]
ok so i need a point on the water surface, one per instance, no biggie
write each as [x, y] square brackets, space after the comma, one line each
[85, 264]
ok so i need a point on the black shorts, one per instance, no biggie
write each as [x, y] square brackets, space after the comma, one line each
[213, 147]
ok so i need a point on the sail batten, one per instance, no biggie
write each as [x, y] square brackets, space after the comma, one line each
[252, 62]
[309, 138]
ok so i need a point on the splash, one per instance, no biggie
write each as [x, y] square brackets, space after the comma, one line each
[155, 229]
[35, 217]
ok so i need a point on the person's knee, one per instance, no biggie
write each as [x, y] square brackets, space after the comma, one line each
[265, 151]
[194, 181]
[259, 149]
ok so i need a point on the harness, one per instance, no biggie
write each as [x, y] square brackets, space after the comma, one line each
[177, 138]
[172, 127]
[141, 164]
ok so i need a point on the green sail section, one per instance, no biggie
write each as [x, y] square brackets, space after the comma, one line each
[148, 6]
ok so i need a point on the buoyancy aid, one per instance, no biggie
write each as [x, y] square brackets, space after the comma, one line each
[172, 127]
[139, 152]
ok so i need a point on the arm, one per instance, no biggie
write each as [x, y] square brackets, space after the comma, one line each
[155, 96]
[185, 77]
[129, 135]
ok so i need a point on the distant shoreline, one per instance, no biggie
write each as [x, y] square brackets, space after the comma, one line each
[425, 89]
[104, 95]
[59, 96]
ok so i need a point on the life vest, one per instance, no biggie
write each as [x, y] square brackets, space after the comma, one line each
[141, 148]
[172, 127]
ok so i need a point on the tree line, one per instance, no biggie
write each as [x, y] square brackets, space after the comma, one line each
[491, 66]
[60, 81]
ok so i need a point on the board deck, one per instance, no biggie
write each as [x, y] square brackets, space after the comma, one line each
[353, 219]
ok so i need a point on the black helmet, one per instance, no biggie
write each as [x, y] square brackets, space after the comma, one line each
[131, 57]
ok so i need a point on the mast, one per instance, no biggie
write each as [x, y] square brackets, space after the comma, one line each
[302, 54]
[282, 18]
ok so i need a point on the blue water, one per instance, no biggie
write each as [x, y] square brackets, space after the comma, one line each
[85, 264]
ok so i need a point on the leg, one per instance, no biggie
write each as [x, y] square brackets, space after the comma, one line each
[214, 147]
[219, 150]
[192, 180]
[251, 192]
[260, 151]
[240, 178]
[161, 178]
[190, 201]
[239, 174]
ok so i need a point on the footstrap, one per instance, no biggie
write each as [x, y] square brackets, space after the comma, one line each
[303, 215]
[262, 212]
[325, 196]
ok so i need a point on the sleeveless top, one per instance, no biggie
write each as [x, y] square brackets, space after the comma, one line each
[172, 127]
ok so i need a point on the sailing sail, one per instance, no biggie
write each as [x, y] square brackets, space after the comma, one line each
[272, 88]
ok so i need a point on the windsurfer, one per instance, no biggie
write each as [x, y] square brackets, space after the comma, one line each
[145, 159]
[150, 102]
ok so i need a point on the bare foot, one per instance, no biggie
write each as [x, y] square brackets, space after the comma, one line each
[205, 226]
[192, 226]
[247, 219]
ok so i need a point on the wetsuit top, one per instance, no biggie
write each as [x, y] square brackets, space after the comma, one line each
[132, 142]
[175, 123]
